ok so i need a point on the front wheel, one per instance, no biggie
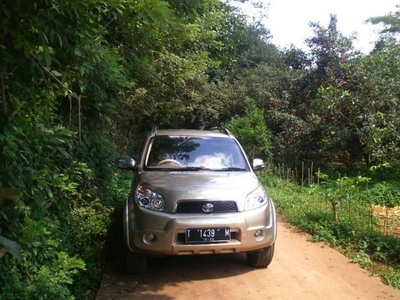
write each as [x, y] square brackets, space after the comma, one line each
[135, 263]
[261, 258]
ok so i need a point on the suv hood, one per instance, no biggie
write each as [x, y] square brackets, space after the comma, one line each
[204, 185]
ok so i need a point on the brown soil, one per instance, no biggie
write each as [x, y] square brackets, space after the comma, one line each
[300, 270]
[389, 219]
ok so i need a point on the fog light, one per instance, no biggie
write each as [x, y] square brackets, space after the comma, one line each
[149, 237]
[258, 233]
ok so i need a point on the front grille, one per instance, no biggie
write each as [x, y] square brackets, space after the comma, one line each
[196, 207]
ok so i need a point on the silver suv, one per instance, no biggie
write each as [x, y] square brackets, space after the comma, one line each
[195, 192]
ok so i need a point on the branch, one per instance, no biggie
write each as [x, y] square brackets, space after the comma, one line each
[69, 92]
[55, 78]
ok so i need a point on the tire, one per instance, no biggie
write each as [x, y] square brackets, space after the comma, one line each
[261, 258]
[135, 263]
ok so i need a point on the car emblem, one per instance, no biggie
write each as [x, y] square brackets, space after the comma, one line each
[208, 207]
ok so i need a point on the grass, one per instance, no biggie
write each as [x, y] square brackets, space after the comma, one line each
[341, 217]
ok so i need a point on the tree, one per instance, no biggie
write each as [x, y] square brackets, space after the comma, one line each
[329, 50]
[363, 111]
[391, 22]
[389, 35]
[252, 132]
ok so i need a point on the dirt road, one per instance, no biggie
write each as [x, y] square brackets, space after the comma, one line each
[300, 270]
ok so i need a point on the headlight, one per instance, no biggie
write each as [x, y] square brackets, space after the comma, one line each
[148, 199]
[256, 199]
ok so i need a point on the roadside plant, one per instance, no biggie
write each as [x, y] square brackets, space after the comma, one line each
[252, 132]
[355, 233]
[8, 198]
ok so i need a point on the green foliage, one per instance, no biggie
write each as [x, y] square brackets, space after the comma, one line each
[358, 116]
[386, 194]
[45, 269]
[342, 192]
[89, 229]
[47, 281]
[252, 131]
[392, 278]
[356, 233]
[11, 247]
[329, 50]
[390, 21]
[8, 198]
[363, 259]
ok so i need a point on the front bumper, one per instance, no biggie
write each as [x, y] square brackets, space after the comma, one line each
[169, 231]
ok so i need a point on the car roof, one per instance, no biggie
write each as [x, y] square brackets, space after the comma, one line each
[192, 132]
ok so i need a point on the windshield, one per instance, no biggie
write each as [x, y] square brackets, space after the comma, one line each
[194, 153]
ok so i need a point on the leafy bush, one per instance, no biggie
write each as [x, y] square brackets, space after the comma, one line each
[50, 280]
[45, 271]
[386, 194]
[88, 229]
[252, 132]
[47, 220]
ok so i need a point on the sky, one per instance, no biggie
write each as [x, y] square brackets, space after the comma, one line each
[288, 19]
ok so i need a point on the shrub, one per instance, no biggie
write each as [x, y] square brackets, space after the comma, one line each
[252, 132]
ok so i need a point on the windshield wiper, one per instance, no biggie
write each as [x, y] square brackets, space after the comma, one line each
[179, 169]
[211, 169]
[231, 169]
[194, 169]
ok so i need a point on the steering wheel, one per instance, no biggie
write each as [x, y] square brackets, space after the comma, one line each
[169, 161]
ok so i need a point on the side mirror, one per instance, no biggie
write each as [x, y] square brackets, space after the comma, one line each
[126, 163]
[258, 164]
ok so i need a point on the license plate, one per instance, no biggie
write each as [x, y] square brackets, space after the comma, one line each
[207, 235]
